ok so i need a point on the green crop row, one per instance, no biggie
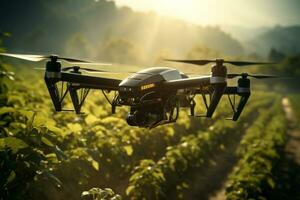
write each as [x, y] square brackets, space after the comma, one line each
[260, 150]
[151, 180]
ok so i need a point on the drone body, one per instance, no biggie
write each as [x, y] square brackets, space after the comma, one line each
[151, 101]
[154, 95]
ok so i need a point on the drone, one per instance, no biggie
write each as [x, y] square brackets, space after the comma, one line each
[154, 95]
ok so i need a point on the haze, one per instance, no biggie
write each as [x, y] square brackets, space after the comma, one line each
[253, 13]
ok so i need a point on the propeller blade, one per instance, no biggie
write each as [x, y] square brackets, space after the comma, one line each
[73, 61]
[233, 75]
[83, 68]
[258, 76]
[120, 73]
[34, 58]
[204, 62]
[245, 63]
[263, 76]
[195, 62]
[89, 70]
[37, 58]
[68, 68]
[91, 63]
[93, 70]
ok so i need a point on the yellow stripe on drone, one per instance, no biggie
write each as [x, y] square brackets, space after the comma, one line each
[148, 86]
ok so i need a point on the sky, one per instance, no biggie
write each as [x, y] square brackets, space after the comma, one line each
[246, 13]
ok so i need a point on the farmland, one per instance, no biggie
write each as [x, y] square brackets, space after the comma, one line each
[60, 155]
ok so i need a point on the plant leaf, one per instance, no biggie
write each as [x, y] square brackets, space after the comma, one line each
[5, 110]
[95, 165]
[128, 149]
[11, 177]
[15, 144]
[47, 142]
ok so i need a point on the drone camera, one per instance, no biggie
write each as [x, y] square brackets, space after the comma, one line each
[143, 119]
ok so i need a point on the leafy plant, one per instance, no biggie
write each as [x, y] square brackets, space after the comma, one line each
[101, 194]
[260, 150]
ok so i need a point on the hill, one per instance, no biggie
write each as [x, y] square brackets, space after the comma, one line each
[284, 39]
[100, 29]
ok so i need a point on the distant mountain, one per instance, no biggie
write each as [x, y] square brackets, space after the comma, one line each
[92, 28]
[244, 33]
[284, 39]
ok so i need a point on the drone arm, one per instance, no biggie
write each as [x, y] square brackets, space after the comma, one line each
[187, 83]
[76, 82]
[90, 81]
[242, 102]
[54, 93]
[218, 89]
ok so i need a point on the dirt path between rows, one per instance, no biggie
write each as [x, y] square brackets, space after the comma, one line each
[288, 169]
[209, 183]
[293, 144]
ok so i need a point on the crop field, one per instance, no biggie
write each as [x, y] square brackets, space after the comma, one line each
[61, 155]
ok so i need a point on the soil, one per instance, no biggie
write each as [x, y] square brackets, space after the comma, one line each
[288, 169]
[293, 145]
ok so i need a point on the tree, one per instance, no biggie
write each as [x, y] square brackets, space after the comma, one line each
[198, 52]
[275, 55]
[78, 46]
[120, 50]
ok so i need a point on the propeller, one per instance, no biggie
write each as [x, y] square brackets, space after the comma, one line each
[245, 75]
[77, 68]
[89, 70]
[37, 58]
[204, 62]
